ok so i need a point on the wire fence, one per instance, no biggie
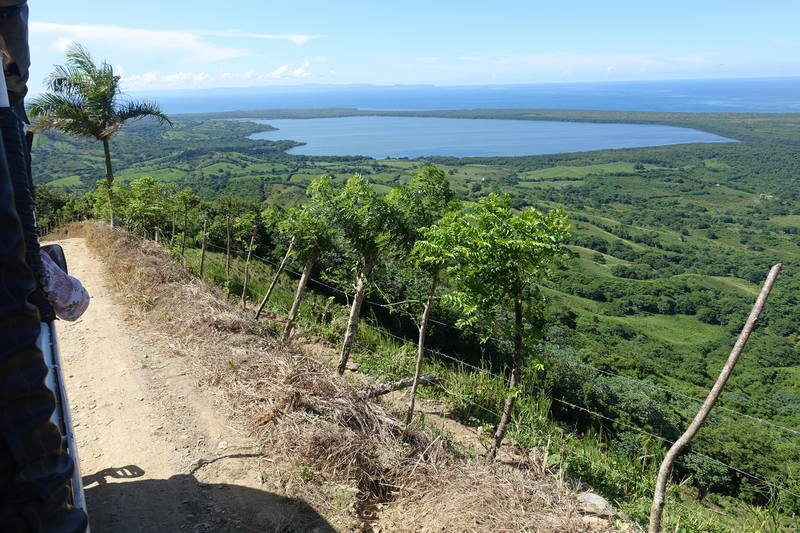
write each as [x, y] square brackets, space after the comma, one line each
[562, 401]
[607, 418]
[793, 431]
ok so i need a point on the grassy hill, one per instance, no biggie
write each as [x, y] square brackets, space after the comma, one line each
[671, 244]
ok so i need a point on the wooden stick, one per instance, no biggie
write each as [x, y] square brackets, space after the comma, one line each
[386, 388]
[275, 279]
[691, 431]
[203, 249]
[247, 267]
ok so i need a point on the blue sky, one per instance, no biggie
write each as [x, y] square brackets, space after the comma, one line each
[181, 44]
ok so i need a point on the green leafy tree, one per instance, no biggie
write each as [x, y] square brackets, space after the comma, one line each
[422, 202]
[143, 204]
[311, 232]
[501, 255]
[426, 197]
[432, 253]
[84, 100]
[367, 222]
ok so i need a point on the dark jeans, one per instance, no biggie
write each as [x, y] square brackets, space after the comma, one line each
[34, 468]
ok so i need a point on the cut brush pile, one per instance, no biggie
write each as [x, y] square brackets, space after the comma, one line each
[322, 425]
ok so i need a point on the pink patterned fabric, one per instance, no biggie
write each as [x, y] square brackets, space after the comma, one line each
[66, 294]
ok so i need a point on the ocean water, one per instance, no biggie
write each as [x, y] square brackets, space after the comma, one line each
[411, 137]
[754, 95]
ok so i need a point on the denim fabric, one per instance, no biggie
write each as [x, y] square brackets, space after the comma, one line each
[34, 469]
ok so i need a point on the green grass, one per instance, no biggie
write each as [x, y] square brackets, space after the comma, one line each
[674, 329]
[787, 220]
[69, 181]
[559, 172]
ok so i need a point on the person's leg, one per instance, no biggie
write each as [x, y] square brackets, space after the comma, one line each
[34, 469]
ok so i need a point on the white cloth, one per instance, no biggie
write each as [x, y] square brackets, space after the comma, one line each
[67, 295]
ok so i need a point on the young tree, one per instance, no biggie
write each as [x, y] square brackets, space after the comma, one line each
[143, 204]
[432, 253]
[85, 101]
[227, 208]
[278, 272]
[367, 222]
[185, 200]
[272, 216]
[245, 227]
[501, 254]
[422, 203]
[312, 234]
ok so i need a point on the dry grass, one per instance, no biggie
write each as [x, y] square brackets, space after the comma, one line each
[402, 479]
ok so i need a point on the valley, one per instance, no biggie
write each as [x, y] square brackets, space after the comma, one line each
[670, 245]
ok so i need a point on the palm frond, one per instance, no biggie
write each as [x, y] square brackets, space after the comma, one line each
[64, 79]
[79, 58]
[61, 112]
[139, 109]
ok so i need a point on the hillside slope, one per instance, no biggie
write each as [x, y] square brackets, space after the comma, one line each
[189, 418]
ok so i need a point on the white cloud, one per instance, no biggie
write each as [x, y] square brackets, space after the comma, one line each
[155, 79]
[61, 44]
[182, 79]
[280, 71]
[296, 38]
[191, 44]
[285, 72]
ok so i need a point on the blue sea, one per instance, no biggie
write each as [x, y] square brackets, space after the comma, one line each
[752, 95]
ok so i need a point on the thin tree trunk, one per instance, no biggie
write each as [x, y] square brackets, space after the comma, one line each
[227, 251]
[109, 182]
[666, 465]
[355, 312]
[275, 279]
[298, 295]
[203, 249]
[174, 217]
[247, 268]
[423, 327]
[183, 240]
[516, 377]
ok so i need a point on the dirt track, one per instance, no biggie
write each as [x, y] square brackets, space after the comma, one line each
[155, 453]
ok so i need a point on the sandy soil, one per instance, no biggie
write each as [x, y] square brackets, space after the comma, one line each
[156, 454]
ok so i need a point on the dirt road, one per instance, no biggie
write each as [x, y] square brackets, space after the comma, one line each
[155, 452]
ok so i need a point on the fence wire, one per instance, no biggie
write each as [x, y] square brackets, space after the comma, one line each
[559, 400]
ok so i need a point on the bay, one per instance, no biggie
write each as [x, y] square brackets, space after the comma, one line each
[381, 137]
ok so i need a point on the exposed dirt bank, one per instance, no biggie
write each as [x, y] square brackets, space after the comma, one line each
[155, 453]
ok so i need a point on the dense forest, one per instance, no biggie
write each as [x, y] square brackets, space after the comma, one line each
[668, 247]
